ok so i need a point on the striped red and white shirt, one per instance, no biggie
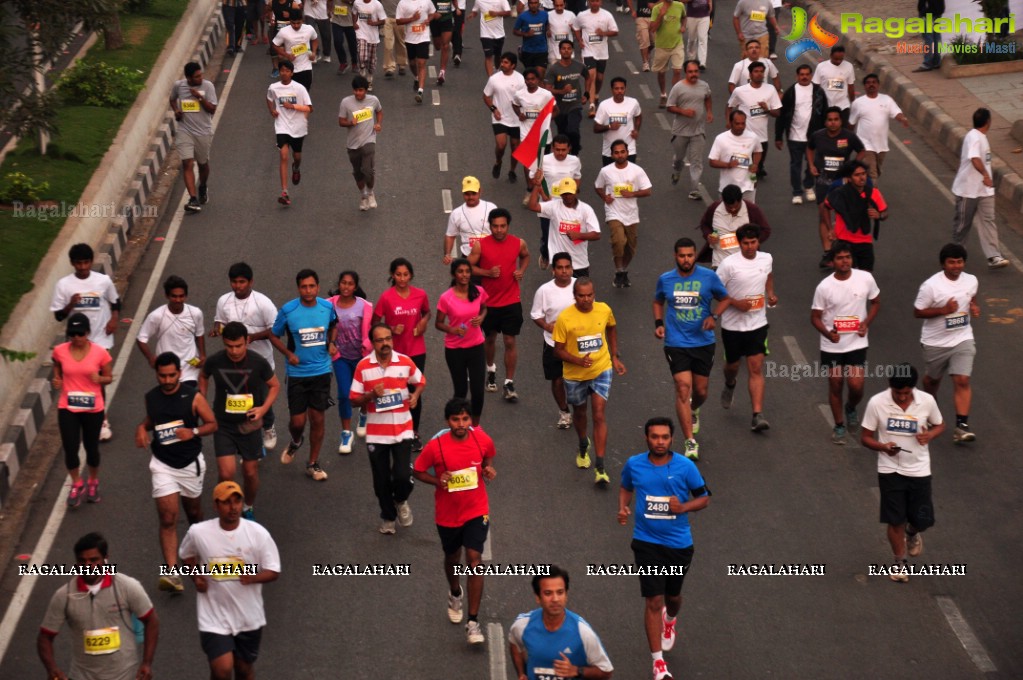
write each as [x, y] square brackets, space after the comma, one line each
[388, 419]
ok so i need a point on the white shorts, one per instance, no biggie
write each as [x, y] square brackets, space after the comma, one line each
[186, 481]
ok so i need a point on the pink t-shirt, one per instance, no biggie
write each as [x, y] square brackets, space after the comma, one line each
[394, 310]
[460, 313]
[79, 393]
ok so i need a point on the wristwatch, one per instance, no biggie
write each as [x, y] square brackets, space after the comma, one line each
[195, 431]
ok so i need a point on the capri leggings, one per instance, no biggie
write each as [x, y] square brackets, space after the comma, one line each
[468, 368]
[79, 428]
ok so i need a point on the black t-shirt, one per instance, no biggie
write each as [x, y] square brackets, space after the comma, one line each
[239, 386]
[644, 10]
[575, 74]
[831, 153]
[168, 412]
[284, 10]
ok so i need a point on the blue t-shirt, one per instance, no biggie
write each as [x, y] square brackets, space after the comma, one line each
[653, 485]
[575, 639]
[307, 329]
[536, 25]
[687, 303]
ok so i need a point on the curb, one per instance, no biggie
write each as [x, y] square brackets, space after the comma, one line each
[27, 418]
[916, 104]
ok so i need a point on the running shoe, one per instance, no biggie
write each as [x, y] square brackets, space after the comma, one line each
[364, 204]
[625, 280]
[564, 420]
[646, 67]
[727, 396]
[542, 262]
[440, 77]
[695, 196]
[284, 199]
[371, 200]
[193, 205]
[667, 631]
[593, 111]
[360, 430]
[773, 55]
[997, 262]
[275, 74]
[388, 74]
[512, 177]
[458, 60]
[692, 450]
[455, 607]
[600, 478]
[852, 421]
[346, 442]
[288, 454]
[401, 70]
[417, 444]
[74, 496]
[838, 435]
[249, 514]
[915, 544]
[617, 281]
[899, 573]
[387, 528]
[661, 670]
[962, 435]
[105, 433]
[204, 194]
[582, 460]
[491, 381]
[474, 634]
[510, 395]
[797, 200]
[825, 262]
[171, 584]
[270, 437]
[316, 472]
[696, 421]
[92, 491]
[404, 514]
[296, 175]
[341, 68]
[810, 195]
[675, 177]
[326, 60]
[760, 423]
[495, 171]
[419, 96]
[664, 101]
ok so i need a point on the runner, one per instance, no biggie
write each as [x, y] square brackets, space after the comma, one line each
[468, 222]
[750, 21]
[618, 118]
[974, 189]
[175, 327]
[722, 219]
[687, 329]
[736, 152]
[570, 82]
[178, 416]
[838, 79]
[559, 28]
[556, 166]
[527, 104]
[869, 117]
[492, 14]
[499, 96]
[662, 481]
[549, 301]
[310, 324]
[415, 16]
[230, 607]
[194, 101]
[532, 26]
[618, 186]
[441, 29]
[289, 105]
[740, 71]
[362, 114]
[395, 54]
[102, 604]
[316, 15]
[689, 102]
[279, 14]
[371, 16]
[461, 310]
[298, 44]
[802, 114]
[354, 317]
[586, 340]
[576, 222]
[698, 30]
[827, 151]
[343, 28]
[668, 25]
[592, 29]
[641, 11]
[858, 205]
[380, 386]
[757, 101]
[462, 463]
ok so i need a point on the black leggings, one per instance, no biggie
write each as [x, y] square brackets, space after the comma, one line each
[468, 368]
[79, 428]
[420, 362]
[456, 34]
[345, 35]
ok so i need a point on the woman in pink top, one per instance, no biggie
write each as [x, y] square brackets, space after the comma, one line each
[80, 369]
[406, 309]
[354, 317]
[460, 311]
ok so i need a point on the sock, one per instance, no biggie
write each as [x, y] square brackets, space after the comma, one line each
[600, 464]
[459, 593]
[657, 656]
[584, 444]
[910, 531]
[962, 421]
[756, 413]
[491, 368]
[507, 381]
[668, 619]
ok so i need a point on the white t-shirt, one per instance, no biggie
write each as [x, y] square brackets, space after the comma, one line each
[742, 147]
[531, 103]
[491, 26]
[609, 111]
[836, 81]
[297, 45]
[801, 113]
[469, 224]
[565, 219]
[587, 23]
[554, 171]
[560, 27]
[97, 292]
[612, 181]
[746, 280]
[548, 301]
[968, 182]
[747, 99]
[870, 116]
[289, 121]
[950, 329]
[315, 9]
[844, 306]
[740, 72]
[175, 333]
[417, 31]
[369, 11]
[502, 89]
[725, 224]
[228, 607]
[256, 311]
[893, 425]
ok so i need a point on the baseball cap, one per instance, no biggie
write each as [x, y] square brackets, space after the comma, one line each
[78, 323]
[567, 185]
[224, 490]
[470, 183]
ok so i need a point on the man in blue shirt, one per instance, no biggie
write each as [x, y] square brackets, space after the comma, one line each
[531, 26]
[553, 642]
[688, 333]
[662, 543]
[310, 324]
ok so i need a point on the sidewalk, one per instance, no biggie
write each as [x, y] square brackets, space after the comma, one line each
[944, 106]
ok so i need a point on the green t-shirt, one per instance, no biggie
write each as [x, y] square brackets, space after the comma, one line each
[668, 35]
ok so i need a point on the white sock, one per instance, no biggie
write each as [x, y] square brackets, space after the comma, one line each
[657, 656]
[492, 368]
[507, 381]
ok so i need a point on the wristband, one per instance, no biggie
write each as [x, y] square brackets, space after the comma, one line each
[658, 323]
[493, 108]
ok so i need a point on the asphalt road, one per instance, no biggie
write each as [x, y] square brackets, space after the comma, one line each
[788, 497]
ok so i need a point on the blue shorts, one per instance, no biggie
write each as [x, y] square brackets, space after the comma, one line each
[578, 390]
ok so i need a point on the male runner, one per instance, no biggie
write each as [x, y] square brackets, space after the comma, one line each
[550, 300]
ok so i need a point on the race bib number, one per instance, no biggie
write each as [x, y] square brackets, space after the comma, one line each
[836, 84]
[591, 38]
[362, 115]
[167, 432]
[758, 16]
[88, 301]
[756, 302]
[388, 402]
[340, 10]
[418, 28]
[570, 96]
[299, 49]
[463, 480]
[312, 337]
[622, 118]
[847, 324]
[904, 424]
[546, 674]
[757, 111]
[287, 98]
[619, 188]
[953, 322]
[589, 343]
[566, 227]
[558, 37]
[81, 401]
[833, 163]
[443, 7]
[742, 158]
[102, 641]
[190, 106]
[658, 507]
[684, 299]
[225, 568]
[728, 240]
[531, 114]
[239, 403]
[535, 29]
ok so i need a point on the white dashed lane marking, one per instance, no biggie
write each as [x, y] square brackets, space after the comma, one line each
[445, 197]
[438, 127]
[442, 161]
[965, 634]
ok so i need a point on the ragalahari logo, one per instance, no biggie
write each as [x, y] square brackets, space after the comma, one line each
[819, 39]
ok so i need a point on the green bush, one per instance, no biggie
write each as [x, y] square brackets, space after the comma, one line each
[984, 51]
[19, 187]
[99, 84]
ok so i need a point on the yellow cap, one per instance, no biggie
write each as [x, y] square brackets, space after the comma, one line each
[567, 185]
[470, 183]
[224, 490]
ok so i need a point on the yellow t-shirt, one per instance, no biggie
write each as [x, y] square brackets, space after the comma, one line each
[585, 333]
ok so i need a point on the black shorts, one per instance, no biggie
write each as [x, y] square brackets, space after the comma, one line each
[655, 555]
[533, 60]
[499, 129]
[906, 499]
[553, 367]
[228, 441]
[739, 344]
[309, 393]
[304, 78]
[287, 140]
[698, 360]
[446, 24]
[599, 64]
[857, 357]
[471, 535]
[506, 320]
[417, 50]
[244, 645]
[492, 47]
[863, 256]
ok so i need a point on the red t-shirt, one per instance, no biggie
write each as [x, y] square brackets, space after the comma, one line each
[394, 310]
[858, 237]
[388, 419]
[79, 393]
[503, 290]
[465, 497]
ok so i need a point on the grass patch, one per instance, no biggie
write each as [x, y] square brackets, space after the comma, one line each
[86, 133]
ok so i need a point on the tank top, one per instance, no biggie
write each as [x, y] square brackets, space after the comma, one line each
[168, 412]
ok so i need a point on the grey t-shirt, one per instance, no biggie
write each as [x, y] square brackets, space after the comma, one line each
[558, 76]
[753, 15]
[194, 118]
[685, 96]
[364, 114]
[391, 6]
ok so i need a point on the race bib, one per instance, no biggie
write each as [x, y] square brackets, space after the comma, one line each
[365, 16]
[487, 16]
[658, 507]
[833, 163]
[418, 28]
[531, 114]
[757, 111]
[546, 674]
[288, 98]
[535, 29]
[953, 322]
[836, 84]
[591, 38]
[842, 143]
[565, 227]
[757, 15]
[388, 402]
[474, 239]
[239, 403]
[685, 299]
[589, 343]
[166, 433]
[728, 240]
[88, 301]
[619, 188]
[299, 49]
[570, 96]
[622, 118]
[81, 401]
[847, 324]
[362, 115]
[443, 7]
[190, 106]
[904, 424]
[463, 480]
[742, 158]
[312, 337]
[341, 10]
[229, 568]
[102, 641]
[558, 37]
[756, 302]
